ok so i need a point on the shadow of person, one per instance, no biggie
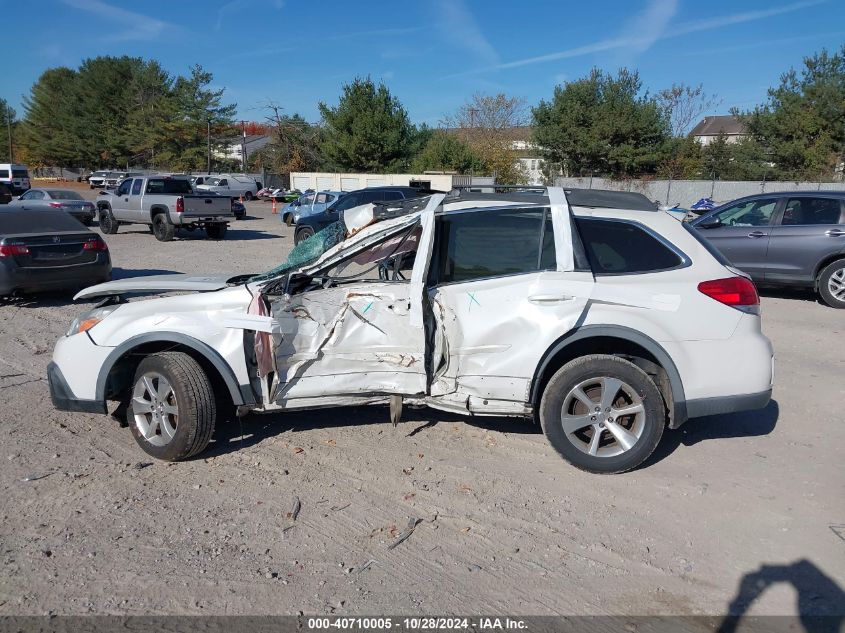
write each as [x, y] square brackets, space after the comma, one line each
[821, 602]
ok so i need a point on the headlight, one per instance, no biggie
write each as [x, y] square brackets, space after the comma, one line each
[87, 320]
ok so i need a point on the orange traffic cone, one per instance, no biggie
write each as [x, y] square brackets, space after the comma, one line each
[275, 210]
[242, 198]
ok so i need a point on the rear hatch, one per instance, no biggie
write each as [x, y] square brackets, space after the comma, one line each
[48, 238]
[51, 251]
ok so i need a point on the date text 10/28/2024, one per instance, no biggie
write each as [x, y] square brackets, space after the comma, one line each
[417, 624]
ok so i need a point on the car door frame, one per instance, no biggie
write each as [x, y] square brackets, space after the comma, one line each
[306, 325]
[807, 276]
[758, 272]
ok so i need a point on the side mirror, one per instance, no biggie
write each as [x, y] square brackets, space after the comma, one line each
[710, 223]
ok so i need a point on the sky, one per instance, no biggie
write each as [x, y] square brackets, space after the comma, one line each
[432, 54]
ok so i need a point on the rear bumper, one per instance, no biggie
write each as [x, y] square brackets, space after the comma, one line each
[64, 399]
[727, 404]
[14, 279]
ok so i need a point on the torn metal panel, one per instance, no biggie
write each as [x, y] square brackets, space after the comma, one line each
[347, 341]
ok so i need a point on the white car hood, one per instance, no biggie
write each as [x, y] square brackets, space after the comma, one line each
[162, 283]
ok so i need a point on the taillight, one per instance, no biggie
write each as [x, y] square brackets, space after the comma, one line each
[56, 205]
[95, 244]
[10, 250]
[736, 292]
[180, 204]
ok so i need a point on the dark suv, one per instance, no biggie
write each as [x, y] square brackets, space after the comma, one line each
[792, 238]
[307, 226]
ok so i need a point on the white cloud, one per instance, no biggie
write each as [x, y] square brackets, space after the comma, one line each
[644, 39]
[651, 24]
[135, 26]
[457, 24]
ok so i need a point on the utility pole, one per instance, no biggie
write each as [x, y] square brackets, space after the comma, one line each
[208, 139]
[243, 146]
[9, 130]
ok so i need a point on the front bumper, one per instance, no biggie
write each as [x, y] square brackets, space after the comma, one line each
[63, 397]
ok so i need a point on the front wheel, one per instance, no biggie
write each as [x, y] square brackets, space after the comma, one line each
[163, 228]
[216, 231]
[108, 224]
[172, 409]
[832, 284]
[303, 234]
[602, 413]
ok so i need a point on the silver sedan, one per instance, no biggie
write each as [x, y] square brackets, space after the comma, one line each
[64, 199]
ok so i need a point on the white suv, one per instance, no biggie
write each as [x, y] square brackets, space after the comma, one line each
[603, 319]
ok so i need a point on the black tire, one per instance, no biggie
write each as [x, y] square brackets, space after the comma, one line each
[108, 224]
[248, 196]
[303, 234]
[646, 426]
[832, 275]
[193, 397]
[216, 231]
[289, 219]
[163, 228]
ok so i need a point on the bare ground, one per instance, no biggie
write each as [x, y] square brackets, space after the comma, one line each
[507, 526]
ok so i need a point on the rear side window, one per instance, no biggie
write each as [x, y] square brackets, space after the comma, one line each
[136, 186]
[4, 173]
[615, 247]
[810, 211]
[494, 244]
[168, 186]
[20, 173]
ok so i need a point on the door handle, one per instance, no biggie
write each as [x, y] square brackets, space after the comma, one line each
[757, 234]
[549, 298]
[835, 233]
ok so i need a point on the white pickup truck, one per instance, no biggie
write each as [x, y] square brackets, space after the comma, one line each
[164, 203]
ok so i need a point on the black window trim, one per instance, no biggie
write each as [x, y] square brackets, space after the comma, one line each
[686, 262]
[436, 283]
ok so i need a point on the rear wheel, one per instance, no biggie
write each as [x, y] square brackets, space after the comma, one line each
[303, 234]
[163, 228]
[248, 196]
[603, 414]
[172, 409]
[832, 284]
[216, 231]
[108, 224]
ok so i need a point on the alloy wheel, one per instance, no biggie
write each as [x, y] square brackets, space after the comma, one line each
[155, 409]
[836, 284]
[603, 416]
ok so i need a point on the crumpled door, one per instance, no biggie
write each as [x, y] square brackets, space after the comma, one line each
[361, 336]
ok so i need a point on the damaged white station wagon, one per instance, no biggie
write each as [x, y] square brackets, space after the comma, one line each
[591, 312]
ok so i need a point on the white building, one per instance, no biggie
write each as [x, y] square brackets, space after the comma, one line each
[252, 143]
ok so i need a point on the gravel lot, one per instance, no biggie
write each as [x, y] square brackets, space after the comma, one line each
[508, 527]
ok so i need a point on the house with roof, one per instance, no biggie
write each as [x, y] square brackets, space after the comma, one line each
[709, 128]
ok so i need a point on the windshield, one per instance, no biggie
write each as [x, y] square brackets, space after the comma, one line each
[61, 194]
[168, 185]
[99, 174]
